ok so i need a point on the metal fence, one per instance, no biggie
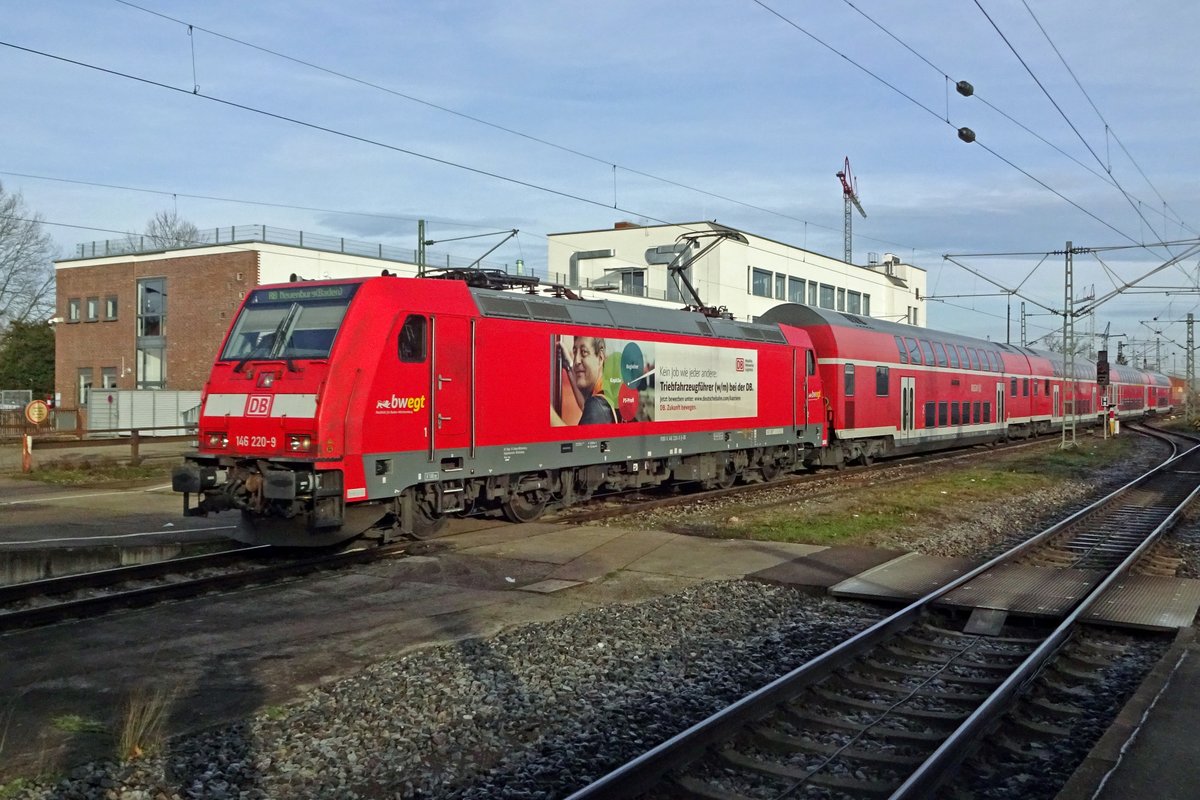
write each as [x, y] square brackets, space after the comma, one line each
[119, 411]
[246, 234]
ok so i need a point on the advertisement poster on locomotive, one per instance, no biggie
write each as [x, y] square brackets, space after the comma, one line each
[605, 380]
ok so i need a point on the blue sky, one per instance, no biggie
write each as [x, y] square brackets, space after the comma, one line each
[724, 96]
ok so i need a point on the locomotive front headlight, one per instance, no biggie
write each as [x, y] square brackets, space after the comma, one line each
[299, 443]
[216, 440]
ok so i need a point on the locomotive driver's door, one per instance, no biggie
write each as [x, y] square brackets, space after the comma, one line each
[451, 422]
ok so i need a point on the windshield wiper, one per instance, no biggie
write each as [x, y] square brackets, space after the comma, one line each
[286, 324]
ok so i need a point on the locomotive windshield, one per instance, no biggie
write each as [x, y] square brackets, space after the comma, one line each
[293, 322]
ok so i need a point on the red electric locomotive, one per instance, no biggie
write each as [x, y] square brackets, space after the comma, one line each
[336, 406]
[387, 404]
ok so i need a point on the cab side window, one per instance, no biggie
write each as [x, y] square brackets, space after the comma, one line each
[412, 339]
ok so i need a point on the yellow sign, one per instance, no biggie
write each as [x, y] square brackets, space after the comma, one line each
[37, 412]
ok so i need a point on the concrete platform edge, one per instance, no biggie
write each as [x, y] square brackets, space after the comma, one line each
[1088, 779]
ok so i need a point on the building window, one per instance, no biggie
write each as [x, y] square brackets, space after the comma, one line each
[883, 381]
[849, 380]
[73, 310]
[633, 282]
[760, 283]
[780, 286]
[93, 309]
[812, 293]
[152, 306]
[110, 307]
[841, 299]
[853, 303]
[826, 296]
[108, 377]
[866, 306]
[85, 385]
[150, 370]
[795, 290]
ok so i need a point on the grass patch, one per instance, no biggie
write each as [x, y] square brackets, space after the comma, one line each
[14, 788]
[275, 712]
[88, 472]
[73, 723]
[944, 497]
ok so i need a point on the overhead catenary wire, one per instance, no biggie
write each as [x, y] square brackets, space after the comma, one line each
[603, 160]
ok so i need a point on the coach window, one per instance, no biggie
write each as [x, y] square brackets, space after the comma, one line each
[901, 350]
[760, 282]
[1047, 392]
[954, 418]
[1014, 387]
[962, 357]
[930, 412]
[940, 352]
[974, 358]
[412, 339]
[975, 411]
[995, 360]
[966, 414]
[914, 350]
[953, 354]
[849, 380]
[987, 412]
[928, 351]
[943, 409]
[883, 381]
[1025, 387]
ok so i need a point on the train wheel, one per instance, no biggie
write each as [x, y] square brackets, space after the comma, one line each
[770, 470]
[521, 508]
[728, 475]
[425, 525]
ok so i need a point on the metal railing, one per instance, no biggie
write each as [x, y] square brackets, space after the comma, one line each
[246, 234]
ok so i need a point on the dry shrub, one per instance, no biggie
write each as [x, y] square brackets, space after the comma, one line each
[146, 710]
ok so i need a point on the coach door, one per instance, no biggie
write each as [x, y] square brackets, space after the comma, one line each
[1057, 409]
[908, 408]
[451, 422]
[1000, 418]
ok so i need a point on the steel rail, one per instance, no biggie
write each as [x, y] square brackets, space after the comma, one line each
[93, 606]
[645, 771]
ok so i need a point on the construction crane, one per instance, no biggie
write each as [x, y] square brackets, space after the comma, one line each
[850, 196]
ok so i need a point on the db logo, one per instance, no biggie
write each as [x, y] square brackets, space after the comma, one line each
[259, 405]
[739, 364]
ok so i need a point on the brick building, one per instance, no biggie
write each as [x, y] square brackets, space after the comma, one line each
[153, 319]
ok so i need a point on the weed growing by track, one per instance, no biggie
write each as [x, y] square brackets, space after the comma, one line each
[941, 497]
[98, 472]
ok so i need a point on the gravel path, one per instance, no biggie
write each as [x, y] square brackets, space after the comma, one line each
[541, 709]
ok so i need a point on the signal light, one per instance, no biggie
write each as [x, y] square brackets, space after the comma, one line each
[216, 440]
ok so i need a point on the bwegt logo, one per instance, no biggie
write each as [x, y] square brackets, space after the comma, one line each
[406, 405]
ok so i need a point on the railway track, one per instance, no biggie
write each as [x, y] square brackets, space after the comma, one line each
[89, 594]
[620, 504]
[894, 710]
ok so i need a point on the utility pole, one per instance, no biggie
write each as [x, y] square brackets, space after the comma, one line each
[1190, 367]
[1024, 339]
[420, 247]
[1068, 429]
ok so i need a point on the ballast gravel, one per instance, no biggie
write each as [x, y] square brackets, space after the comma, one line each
[534, 712]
